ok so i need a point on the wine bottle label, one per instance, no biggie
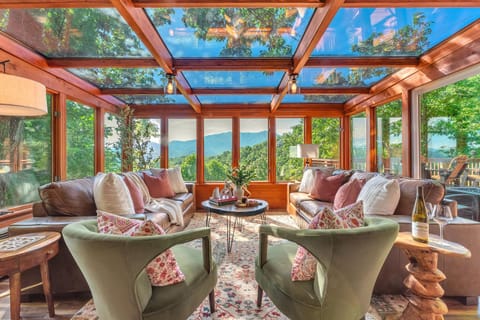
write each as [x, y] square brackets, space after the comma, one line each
[420, 230]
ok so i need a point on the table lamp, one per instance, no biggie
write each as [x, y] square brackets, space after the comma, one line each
[307, 151]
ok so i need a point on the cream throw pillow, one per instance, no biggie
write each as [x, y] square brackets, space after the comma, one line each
[380, 196]
[111, 194]
[174, 177]
[307, 179]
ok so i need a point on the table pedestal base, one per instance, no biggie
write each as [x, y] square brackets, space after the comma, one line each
[425, 292]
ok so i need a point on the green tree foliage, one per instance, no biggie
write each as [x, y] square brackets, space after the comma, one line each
[80, 140]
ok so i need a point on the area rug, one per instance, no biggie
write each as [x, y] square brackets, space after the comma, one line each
[236, 289]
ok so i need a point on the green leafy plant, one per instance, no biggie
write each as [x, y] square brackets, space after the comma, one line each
[241, 176]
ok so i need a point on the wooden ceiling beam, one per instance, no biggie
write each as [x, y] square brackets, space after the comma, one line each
[225, 4]
[409, 3]
[102, 63]
[237, 64]
[362, 62]
[321, 19]
[17, 4]
[140, 23]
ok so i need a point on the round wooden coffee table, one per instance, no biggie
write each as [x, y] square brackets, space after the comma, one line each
[25, 251]
[233, 215]
[425, 292]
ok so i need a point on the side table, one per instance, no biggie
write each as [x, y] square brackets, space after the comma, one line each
[425, 292]
[22, 252]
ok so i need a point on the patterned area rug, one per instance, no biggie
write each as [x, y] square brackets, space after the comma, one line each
[236, 289]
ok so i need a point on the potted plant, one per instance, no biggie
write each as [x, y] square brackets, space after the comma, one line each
[240, 177]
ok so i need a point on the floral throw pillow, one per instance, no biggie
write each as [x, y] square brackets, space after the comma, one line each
[163, 270]
[304, 265]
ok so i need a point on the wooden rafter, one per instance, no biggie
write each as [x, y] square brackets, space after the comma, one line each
[319, 22]
[362, 62]
[410, 3]
[231, 3]
[8, 4]
[102, 63]
[141, 24]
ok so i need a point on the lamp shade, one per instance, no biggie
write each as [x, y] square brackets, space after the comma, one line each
[307, 150]
[21, 97]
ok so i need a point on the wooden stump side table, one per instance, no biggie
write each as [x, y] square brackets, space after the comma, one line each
[22, 252]
[425, 292]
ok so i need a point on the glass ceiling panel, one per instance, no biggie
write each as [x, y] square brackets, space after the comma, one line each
[233, 79]
[317, 98]
[234, 98]
[391, 31]
[152, 99]
[122, 77]
[342, 77]
[73, 32]
[231, 32]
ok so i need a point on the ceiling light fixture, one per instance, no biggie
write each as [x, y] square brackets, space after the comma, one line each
[293, 87]
[170, 85]
[21, 97]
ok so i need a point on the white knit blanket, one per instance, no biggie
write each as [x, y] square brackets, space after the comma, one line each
[171, 207]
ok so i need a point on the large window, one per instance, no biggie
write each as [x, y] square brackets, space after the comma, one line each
[389, 137]
[254, 146]
[326, 133]
[358, 141]
[25, 157]
[450, 132]
[112, 144]
[146, 144]
[217, 143]
[290, 132]
[80, 140]
[182, 146]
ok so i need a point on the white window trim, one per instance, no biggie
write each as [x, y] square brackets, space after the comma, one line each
[416, 94]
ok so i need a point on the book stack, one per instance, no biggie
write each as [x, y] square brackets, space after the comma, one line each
[222, 201]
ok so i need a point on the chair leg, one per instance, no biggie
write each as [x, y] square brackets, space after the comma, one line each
[259, 297]
[211, 298]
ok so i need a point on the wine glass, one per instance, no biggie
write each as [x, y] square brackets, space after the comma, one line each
[442, 215]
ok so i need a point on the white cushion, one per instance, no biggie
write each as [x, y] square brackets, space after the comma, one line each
[174, 178]
[307, 179]
[111, 194]
[380, 196]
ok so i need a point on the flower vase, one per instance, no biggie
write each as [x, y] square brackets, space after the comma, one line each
[238, 192]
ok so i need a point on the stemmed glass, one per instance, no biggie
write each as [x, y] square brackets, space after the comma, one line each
[442, 215]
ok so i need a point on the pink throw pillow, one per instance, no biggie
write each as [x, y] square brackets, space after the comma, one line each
[163, 270]
[159, 187]
[135, 194]
[305, 264]
[325, 187]
[348, 193]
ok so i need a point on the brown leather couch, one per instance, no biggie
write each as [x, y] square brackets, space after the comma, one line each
[462, 273]
[68, 201]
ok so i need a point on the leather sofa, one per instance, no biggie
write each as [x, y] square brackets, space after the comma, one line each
[462, 273]
[70, 201]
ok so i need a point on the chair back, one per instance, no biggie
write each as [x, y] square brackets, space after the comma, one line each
[119, 291]
[457, 166]
[345, 281]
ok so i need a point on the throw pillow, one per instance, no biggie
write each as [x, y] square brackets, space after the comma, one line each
[111, 194]
[305, 264]
[135, 194]
[174, 177]
[307, 178]
[159, 187]
[163, 270]
[380, 195]
[348, 193]
[325, 187]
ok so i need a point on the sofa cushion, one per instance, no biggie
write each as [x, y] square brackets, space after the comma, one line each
[363, 175]
[325, 187]
[348, 193]
[174, 177]
[433, 192]
[380, 195]
[111, 194]
[184, 199]
[69, 198]
[312, 207]
[158, 186]
[307, 178]
[297, 197]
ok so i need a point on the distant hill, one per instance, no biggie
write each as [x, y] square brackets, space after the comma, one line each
[215, 144]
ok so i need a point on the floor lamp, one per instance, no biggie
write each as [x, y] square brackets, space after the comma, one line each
[307, 151]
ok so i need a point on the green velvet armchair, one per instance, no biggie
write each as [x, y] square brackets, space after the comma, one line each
[349, 261]
[114, 267]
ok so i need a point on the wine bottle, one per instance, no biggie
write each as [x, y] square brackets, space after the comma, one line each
[420, 218]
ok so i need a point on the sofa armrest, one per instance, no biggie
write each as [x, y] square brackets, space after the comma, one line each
[38, 210]
[293, 187]
[453, 206]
